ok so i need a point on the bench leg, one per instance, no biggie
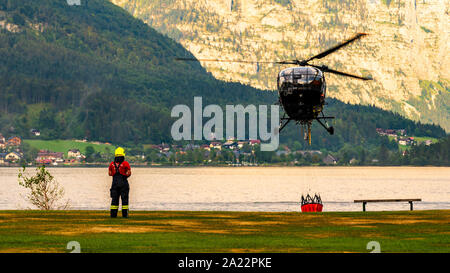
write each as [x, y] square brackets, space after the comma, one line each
[364, 206]
[410, 205]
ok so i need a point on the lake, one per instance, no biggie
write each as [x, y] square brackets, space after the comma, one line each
[246, 188]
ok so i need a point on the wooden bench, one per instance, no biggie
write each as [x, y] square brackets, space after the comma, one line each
[387, 200]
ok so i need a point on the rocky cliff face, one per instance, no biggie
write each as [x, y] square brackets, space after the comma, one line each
[406, 52]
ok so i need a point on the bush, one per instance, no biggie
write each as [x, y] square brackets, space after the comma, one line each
[45, 191]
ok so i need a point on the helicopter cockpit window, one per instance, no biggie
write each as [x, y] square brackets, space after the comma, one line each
[301, 75]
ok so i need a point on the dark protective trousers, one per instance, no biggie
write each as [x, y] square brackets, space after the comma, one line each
[119, 189]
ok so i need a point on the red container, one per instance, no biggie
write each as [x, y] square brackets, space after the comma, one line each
[312, 207]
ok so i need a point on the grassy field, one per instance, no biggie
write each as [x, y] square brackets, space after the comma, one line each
[63, 146]
[423, 139]
[419, 140]
[156, 231]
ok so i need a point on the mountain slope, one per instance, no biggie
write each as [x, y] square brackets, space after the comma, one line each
[95, 71]
[406, 52]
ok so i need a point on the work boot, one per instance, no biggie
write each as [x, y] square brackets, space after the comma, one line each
[125, 213]
[114, 213]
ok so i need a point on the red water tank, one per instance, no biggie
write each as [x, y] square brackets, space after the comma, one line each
[312, 208]
[311, 204]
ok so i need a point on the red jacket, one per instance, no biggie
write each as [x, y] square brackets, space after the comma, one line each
[123, 169]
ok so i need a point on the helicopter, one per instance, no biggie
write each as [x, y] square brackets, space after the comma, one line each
[302, 89]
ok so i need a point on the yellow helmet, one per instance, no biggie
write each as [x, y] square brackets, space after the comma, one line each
[119, 152]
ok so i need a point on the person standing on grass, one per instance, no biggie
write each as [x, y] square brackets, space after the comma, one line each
[120, 170]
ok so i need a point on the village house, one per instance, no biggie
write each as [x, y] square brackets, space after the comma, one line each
[241, 144]
[254, 142]
[13, 157]
[230, 145]
[229, 142]
[329, 160]
[216, 145]
[164, 148]
[191, 147]
[406, 141]
[402, 142]
[14, 141]
[391, 132]
[205, 147]
[35, 132]
[48, 157]
[73, 153]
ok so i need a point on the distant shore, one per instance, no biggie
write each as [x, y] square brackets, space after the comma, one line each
[105, 165]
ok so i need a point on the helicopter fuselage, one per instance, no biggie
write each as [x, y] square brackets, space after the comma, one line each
[302, 92]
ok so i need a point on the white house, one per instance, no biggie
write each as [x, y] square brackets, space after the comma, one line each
[73, 153]
[35, 132]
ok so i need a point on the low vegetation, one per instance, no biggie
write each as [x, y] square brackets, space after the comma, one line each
[44, 192]
[156, 231]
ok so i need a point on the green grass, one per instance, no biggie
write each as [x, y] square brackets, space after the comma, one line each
[64, 145]
[423, 139]
[419, 140]
[156, 231]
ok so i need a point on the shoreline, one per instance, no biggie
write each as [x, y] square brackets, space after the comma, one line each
[225, 166]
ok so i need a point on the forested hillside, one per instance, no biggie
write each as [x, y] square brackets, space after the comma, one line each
[95, 71]
[437, 154]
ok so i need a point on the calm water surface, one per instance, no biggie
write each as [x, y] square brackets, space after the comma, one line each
[246, 189]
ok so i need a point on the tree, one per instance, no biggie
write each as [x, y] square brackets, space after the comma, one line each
[45, 192]
[90, 151]
[18, 19]
[151, 155]
[29, 152]
[383, 154]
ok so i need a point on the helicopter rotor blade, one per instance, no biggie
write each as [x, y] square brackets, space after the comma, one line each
[337, 47]
[329, 70]
[231, 61]
[296, 62]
